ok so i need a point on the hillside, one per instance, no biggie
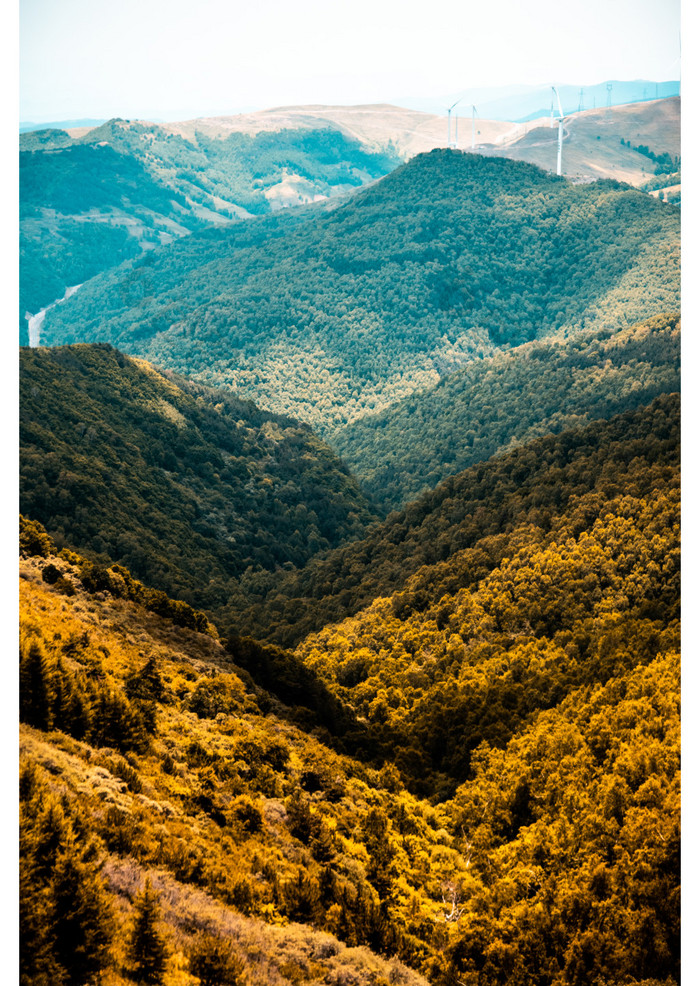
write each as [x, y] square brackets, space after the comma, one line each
[93, 196]
[508, 399]
[187, 486]
[462, 526]
[512, 815]
[146, 756]
[88, 202]
[341, 311]
[602, 143]
[378, 127]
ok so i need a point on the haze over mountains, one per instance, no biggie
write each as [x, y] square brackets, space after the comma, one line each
[81, 211]
[397, 704]
[330, 314]
[517, 103]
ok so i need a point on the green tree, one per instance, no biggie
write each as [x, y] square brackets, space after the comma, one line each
[35, 687]
[147, 949]
[80, 915]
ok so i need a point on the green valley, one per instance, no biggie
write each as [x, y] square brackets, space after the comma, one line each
[88, 202]
[349, 648]
[494, 404]
[457, 532]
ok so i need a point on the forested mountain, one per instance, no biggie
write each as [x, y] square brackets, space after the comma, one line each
[494, 404]
[177, 823]
[463, 525]
[89, 202]
[187, 486]
[451, 256]
[499, 800]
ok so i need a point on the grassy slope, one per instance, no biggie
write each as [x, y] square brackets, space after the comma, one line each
[593, 141]
[448, 257]
[495, 404]
[202, 809]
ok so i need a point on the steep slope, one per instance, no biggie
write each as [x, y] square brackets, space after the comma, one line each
[542, 670]
[146, 756]
[469, 648]
[463, 525]
[535, 703]
[493, 404]
[84, 209]
[187, 486]
[348, 309]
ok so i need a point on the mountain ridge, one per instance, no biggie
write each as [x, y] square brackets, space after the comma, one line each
[471, 249]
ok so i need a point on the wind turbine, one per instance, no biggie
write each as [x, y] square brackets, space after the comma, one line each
[561, 125]
[473, 115]
[449, 113]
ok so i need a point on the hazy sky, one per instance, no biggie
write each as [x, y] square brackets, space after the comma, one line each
[171, 59]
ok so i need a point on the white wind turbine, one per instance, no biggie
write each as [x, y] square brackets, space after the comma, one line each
[449, 114]
[561, 126]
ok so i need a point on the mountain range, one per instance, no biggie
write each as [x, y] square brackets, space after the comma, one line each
[95, 195]
[350, 552]
[331, 313]
[523, 103]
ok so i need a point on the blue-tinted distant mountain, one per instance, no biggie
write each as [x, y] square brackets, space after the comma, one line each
[26, 127]
[521, 103]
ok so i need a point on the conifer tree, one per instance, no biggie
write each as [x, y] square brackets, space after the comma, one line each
[35, 687]
[147, 948]
[81, 917]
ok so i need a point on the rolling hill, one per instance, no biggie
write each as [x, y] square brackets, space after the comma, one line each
[601, 143]
[331, 313]
[493, 404]
[123, 188]
[464, 523]
[186, 486]
[84, 209]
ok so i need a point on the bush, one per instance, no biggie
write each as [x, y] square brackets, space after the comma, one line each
[214, 962]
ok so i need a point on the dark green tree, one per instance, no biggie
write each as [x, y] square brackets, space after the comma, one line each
[80, 916]
[35, 687]
[147, 949]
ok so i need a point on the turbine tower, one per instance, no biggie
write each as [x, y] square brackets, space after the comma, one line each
[473, 130]
[449, 113]
[561, 127]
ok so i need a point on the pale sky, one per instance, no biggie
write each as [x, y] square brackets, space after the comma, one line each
[172, 59]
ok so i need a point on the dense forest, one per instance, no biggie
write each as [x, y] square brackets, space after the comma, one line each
[462, 525]
[350, 308]
[493, 404]
[88, 203]
[498, 803]
[186, 486]
[395, 705]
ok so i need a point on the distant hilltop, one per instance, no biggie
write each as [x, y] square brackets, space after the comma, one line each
[516, 104]
[520, 104]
